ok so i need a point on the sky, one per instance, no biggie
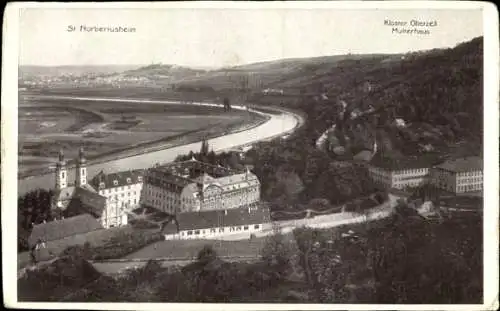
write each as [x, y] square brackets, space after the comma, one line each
[229, 37]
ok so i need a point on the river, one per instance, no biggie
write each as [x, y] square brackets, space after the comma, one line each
[278, 124]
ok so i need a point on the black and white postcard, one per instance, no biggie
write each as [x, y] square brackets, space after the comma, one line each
[335, 155]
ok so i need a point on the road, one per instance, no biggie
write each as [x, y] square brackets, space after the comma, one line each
[326, 221]
[277, 124]
[323, 221]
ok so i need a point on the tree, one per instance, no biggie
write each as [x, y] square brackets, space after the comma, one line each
[34, 207]
[206, 255]
[227, 105]
[204, 148]
[277, 254]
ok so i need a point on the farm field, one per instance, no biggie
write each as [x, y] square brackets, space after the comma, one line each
[190, 248]
[102, 128]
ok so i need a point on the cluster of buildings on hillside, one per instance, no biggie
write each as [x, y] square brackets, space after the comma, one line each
[84, 80]
[206, 199]
[212, 200]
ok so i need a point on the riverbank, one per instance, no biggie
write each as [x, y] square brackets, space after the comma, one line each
[275, 125]
[164, 143]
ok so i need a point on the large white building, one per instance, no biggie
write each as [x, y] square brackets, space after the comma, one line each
[399, 175]
[122, 191]
[196, 186]
[108, 198]
[459, 175]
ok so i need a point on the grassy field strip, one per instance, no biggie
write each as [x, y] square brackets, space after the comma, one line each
[184, 258]
[113, 268]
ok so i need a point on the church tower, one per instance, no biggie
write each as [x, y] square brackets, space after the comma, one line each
[81, 169]
[61, 172]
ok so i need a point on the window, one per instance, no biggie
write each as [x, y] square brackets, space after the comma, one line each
[245, 228]
[256, 227]
[190, 232]
[129, 181]
[115, 182]
[221, 229]
[62, 174]
[197, 232]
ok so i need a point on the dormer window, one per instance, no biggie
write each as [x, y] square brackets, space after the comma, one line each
[115, 182]
[139, 178]
[101, 185]
[129, 180]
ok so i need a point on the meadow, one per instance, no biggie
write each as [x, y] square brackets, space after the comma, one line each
[109, 127]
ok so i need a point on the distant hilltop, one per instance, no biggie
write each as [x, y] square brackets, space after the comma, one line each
[161, 70]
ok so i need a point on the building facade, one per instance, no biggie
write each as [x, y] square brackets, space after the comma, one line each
[196, 186]
[108, 198]
[399, 177]
[122, 192]
[217, 224]
[459, 175]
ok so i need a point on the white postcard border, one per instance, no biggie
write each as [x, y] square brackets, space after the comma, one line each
[491, 172]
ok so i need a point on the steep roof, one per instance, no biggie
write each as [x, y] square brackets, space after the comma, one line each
[400, 163]
[58, 229]
[64, 193]
[118, 179]
[81, 198]
[91, 201]
[185, 173]
[219, 218]
[462, 164]
[205, 179]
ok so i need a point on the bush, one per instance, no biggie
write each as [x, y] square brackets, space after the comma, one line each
[143, 224]
[117, 246]
[206, 254]
[54, 281]
[277, 254]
